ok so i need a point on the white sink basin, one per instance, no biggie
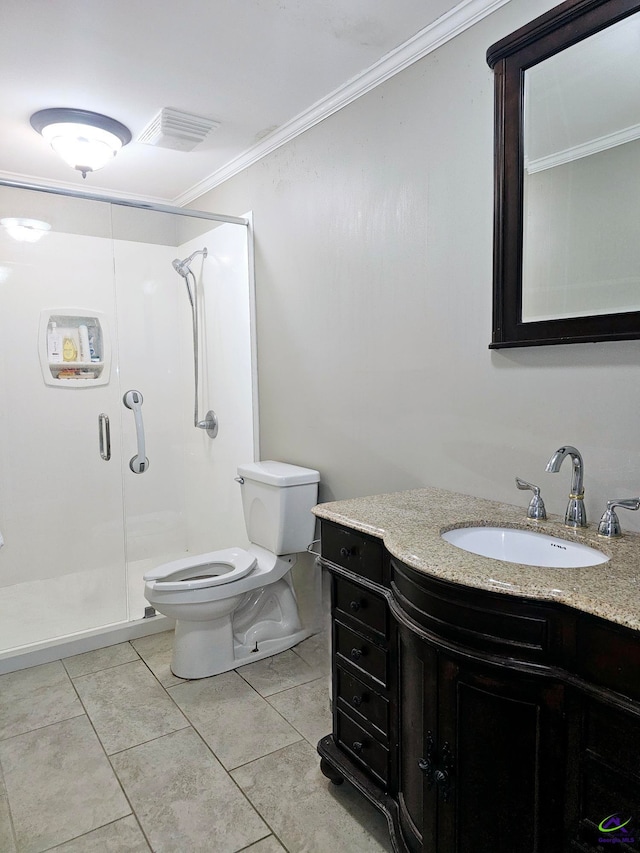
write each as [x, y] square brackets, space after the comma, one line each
[524, 546]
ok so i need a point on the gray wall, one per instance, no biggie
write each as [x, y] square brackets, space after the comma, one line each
[373, 276]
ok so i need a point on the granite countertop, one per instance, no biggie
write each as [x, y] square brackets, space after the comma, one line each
[410, 524]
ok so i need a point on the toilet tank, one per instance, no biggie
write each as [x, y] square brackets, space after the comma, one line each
[277, 499]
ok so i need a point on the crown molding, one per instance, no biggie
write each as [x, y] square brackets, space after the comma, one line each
[465, 15]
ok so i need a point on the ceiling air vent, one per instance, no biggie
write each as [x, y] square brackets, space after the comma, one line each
[177, 130]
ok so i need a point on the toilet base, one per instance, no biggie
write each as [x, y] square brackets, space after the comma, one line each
[203, 653]
[247, 628]
[202, 648]
[268, 648]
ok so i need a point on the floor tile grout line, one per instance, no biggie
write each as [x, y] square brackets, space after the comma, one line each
[290, 687]
[102, 668]
[189, 724]
[145, 742]
[45, 726]
[228, 774]
[212, 750]
[102, 826]
[12, 827]
[260, 840]
[164, 686]
[192, 725]
[264, 699]
[113, 770]
[271, 752]
[286, 719]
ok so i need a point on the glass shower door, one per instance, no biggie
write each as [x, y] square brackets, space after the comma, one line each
[62, 567]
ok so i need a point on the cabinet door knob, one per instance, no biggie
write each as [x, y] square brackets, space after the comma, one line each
[443, 784]
[426, 765]
[358, 700]
[355, 605]
[356, 654]
[357, 746]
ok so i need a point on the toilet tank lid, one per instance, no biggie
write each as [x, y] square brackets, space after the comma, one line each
[278, 473]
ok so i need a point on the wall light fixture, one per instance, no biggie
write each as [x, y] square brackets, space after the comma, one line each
[86, 141]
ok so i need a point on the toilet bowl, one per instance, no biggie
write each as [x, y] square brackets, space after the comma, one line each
[237, 605]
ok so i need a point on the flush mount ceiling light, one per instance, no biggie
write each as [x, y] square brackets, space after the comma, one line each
[25, 230]
[86, 141]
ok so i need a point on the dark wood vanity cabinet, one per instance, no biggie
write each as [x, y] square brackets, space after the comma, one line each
[481, 759]
[479, 722]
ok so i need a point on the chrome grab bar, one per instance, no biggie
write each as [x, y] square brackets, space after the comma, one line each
[104, 436]
[133, 400]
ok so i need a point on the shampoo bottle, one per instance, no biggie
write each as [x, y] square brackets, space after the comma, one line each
[54, 344]
[69, 349]
[83, 335]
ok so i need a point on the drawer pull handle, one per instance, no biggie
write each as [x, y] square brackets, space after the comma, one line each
[357, 746]
[347, 552]
[356, 654]
[358, 700]
[355, 605]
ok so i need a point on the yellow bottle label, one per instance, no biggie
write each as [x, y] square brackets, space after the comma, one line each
[69, 350]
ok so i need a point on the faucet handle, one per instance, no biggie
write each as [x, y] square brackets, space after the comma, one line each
[610, 523]
[536, 507]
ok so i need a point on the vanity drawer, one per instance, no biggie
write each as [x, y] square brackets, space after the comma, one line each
[363, 747]
[362, 605]
[361, 653]
[354, 551]
[363, 703]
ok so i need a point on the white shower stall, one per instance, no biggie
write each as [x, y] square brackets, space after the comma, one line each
[80, 528]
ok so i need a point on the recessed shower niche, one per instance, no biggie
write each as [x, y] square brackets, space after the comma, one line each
[74, 348]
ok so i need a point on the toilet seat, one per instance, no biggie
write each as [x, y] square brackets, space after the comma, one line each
[212, 569]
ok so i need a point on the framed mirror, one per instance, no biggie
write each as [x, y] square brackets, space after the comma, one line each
[567, 177]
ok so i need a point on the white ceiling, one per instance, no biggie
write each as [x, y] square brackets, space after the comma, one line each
[252, 65]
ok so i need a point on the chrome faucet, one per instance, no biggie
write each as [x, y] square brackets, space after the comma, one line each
[576, 514]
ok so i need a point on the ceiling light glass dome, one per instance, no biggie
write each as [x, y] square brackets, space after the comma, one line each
[85, 140]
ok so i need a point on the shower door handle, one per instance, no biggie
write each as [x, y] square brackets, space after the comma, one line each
[104, 436]
[133, 400]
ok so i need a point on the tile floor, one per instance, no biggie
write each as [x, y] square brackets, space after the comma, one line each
[108, 752]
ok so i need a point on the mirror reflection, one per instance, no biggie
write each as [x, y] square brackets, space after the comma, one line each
[581, 193]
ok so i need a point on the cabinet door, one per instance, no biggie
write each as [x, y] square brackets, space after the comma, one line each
[505, 734]
[417, 797]
[608, 783]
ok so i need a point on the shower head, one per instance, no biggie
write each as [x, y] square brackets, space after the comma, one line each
[182, 267]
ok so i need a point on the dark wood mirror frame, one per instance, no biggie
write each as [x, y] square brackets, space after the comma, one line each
[549, 34]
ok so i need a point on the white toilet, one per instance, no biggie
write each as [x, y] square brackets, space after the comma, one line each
[236, 606]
